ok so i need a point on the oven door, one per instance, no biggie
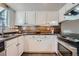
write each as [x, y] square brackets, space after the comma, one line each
[2, 53]
[2, 49]
[63, 50]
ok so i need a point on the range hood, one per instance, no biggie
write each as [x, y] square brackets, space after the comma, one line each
[72, 14]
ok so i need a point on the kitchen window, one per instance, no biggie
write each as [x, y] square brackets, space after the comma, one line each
[3, 17]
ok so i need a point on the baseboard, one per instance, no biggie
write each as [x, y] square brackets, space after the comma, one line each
[41, 52]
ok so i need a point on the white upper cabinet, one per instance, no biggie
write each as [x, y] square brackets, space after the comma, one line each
[30, 17]
[25, 18]
[52, 18]
[41, 18]
[20, 18]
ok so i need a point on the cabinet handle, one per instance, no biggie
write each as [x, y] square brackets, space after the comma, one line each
[45, 37]
[39, 40]
[33, 36]
[73, 3]
[18, 44]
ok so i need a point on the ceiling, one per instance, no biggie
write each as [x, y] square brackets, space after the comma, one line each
[36, 6]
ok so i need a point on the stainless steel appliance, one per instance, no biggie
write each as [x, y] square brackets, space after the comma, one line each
[2, 49]
[72, 14]
[74, 11]
[63, 50]
[71, 39]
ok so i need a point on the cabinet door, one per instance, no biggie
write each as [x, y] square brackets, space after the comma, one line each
[48, 44]
[20, 45]
[26, 37]
[12, 50]
[20, 18]
[11, 47]
[30, 17]
[41, 18]
[20, 49]
[53, 44]
[31, 44]
[52, 18]
[41, 44]
[44, 44]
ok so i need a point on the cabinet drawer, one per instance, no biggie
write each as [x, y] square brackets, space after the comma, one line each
[10, 42]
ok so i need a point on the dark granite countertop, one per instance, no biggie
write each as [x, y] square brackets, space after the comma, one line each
[22, 33]
[17, 35]
[38, 34]
[9, 37]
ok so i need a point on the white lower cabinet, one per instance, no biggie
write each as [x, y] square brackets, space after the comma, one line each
[14, 47]
[20, 49]
[12, 50]
[20, 45]
[40, 43]
[31, 43]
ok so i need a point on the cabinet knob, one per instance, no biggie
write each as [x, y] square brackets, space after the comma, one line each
[45, 36]
[73, 3]
[18, 44]
[33, 36]
[39, 40]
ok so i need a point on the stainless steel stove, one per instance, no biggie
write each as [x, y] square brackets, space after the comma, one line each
[72, 39]
[2, 48]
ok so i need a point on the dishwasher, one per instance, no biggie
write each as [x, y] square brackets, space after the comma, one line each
[2, 48]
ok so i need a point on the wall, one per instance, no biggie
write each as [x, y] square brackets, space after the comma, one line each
[70, 26]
